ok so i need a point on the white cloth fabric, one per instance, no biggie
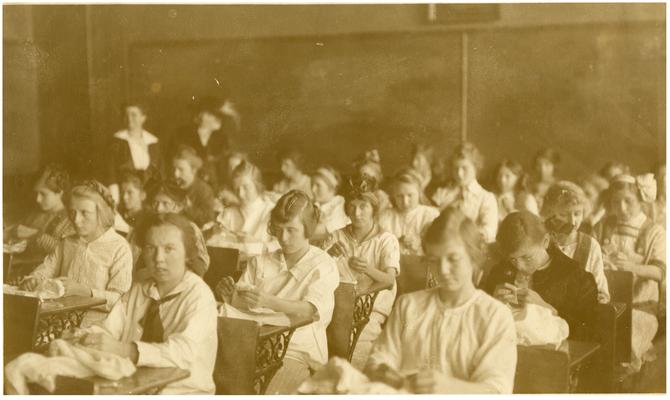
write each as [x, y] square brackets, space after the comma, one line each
[47, 289]
[314, 279]
[65, 359]
[476, 203]
[189, 324]
[340, 377]
[139, 148]
[537, 325]
[333, 214]
[475, 341]
[594, 265]
[105, 265]
[379, 248]
[410, 225]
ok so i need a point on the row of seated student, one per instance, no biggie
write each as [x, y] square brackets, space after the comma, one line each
[299, 245]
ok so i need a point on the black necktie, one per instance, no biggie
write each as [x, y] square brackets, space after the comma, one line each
[152, 324]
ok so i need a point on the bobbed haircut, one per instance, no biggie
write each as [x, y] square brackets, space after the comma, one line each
[452, 223]
[171, 219]
[295, 203]
[518, 228]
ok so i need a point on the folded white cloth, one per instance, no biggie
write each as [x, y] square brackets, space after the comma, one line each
[536, 325]
[64, 359]
[338, 376]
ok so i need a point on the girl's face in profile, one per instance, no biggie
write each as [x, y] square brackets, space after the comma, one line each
[420, 163]
[47, 199]
[323, 193]
[450, 264]
[506, 180]
[245, 189]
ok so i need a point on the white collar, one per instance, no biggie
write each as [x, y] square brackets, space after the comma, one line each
[146, 137]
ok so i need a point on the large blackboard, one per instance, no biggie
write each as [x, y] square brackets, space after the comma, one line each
[335, 96]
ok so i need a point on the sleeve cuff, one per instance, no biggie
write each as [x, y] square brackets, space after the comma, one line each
[147, 354]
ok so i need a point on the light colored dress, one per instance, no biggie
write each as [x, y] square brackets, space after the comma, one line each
[475, 341]
[643, 237]
[411, 225]
[189, 331]
[589, 256]
[476, 203]
[333, 214]
[104, 265]
[251, 219]
[381, 249]
[314, 279]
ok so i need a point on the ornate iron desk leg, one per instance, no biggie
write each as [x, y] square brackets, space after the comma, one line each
[362, 311]
[269, 355]
[52, 326]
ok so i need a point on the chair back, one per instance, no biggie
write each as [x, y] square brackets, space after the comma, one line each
[20, 317]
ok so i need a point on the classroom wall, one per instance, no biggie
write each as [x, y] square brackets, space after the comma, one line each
[380, 75]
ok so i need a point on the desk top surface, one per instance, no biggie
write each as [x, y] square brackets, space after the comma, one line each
[143, 380]
[372, 288]
[69, 303]
[270, 330]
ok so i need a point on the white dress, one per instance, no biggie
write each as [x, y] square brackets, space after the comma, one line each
[475, 341]
[411, 224]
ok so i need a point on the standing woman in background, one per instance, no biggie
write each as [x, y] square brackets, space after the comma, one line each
[512, 193]
[132, 148]
[544, 173]
[209, 136]
[96, 261]
[632, 241]
[465, 193]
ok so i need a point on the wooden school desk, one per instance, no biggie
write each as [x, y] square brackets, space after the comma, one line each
[249, 354]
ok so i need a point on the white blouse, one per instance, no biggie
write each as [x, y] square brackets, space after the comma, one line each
[379, 248]
[190, 331]
[476, 203]
[333, 214]
[475, 341]
[314, 279]
[105, 265]
[411, 224]
[139, 149]
[253, 220]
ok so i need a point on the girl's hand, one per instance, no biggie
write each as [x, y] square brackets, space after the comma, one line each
[253, 298]
[225, 288]
[429, 382]
[358, 264]
[105, 343]
[30, 283]
[506, 293]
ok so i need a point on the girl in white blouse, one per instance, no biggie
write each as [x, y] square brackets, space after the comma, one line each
[299, 280]
[512, 193]
[168, 319]
[408, 219]
[453, 338]
[563, 211]
[96, 261]
[325, 184]
[244, 226]
[370, 254]
[467, 194]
